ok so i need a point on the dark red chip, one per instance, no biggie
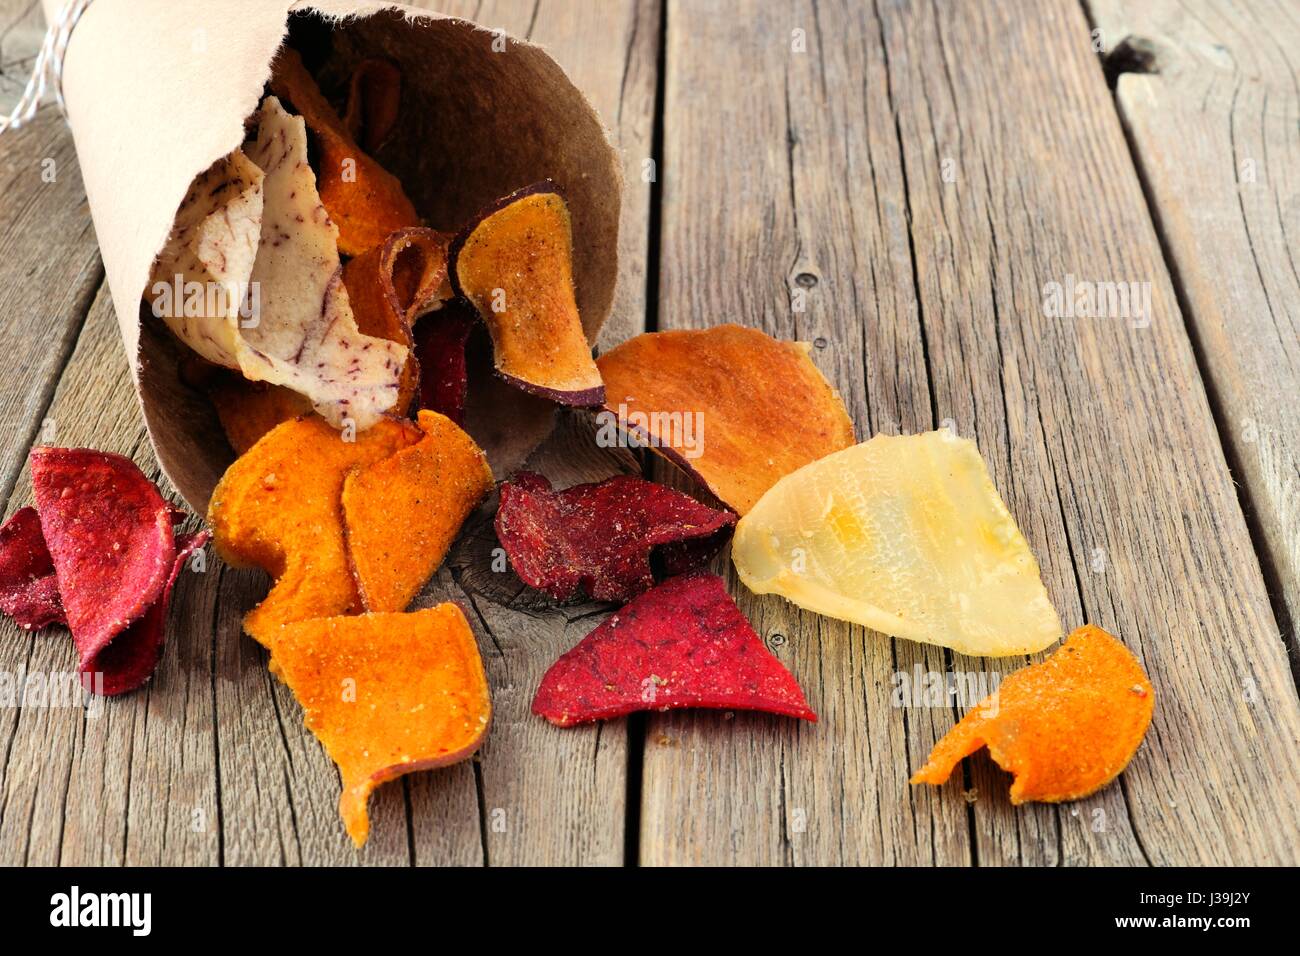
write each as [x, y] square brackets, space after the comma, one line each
[681, 644]
[133, 655]
[604, 537]
[109, 535]
[440, 341]
[29, 592]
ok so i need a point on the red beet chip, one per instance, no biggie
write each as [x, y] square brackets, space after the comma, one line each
[132, 657]
[681, 644]
[602, 537]
[109, 533]
[440, 341]
[28, 591]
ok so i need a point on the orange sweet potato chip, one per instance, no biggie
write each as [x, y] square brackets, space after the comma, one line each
[514, 264]
[248, 410]
[1064, 728]
[365, 201]
[731, 405]
[401, 514]
[391, 284]
[386, 694]
[278, 508]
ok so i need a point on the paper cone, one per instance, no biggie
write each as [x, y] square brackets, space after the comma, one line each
[157, 90]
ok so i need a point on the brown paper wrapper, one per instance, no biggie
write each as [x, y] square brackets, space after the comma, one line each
[157, 90]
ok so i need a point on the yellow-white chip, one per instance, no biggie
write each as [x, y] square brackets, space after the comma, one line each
[251, 279]
[200, 279]
[306, 336]
[906, 535]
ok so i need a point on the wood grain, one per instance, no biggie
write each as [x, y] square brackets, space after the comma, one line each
[22, 28]
[1006, 170]
[211, 763]
[1213, 118]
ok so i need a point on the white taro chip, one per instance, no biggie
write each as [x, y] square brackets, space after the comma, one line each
[306, 336]
[199, 282]
[251, 279]
[904, 534]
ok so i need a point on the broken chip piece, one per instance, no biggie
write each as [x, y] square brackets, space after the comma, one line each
[601, 537]
[441, 340]
[905, 534]
[1064, 728]
[730, 405]
[365, 200]
[387, 694]
[684, 643]
[401, 514]
[29, 592]
[278, 507]
[109, 535]
[514, 264]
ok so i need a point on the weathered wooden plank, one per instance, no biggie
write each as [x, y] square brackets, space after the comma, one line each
[1212, 115]
[22, 28]
[548, 796]
[1013, 173]
[784, 208]
[43, 297]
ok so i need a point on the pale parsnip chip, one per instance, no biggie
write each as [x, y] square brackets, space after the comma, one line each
[904, 534]
[306, 336]
[201, 277]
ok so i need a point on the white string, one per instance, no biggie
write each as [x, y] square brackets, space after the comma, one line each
[47, 72]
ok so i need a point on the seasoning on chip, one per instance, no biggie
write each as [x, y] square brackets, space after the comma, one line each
[402, 513]
[441, 339]
[29, 592]
[278, 507]
[683, 643]
[364, 200]
[514, 264]
[905, 534]
[387, 694]
[604, 537]
[1064, 728]
[730, 405]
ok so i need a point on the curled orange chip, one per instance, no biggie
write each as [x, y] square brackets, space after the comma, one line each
[366, 202]
[390, 285]
[278, 508]
[1064, 728]
[248, 410]
[731, 405]
[386, 694]
[401, 514]
[374, 97]
[514, 264]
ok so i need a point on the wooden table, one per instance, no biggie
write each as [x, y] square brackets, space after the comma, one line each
[900, 183]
